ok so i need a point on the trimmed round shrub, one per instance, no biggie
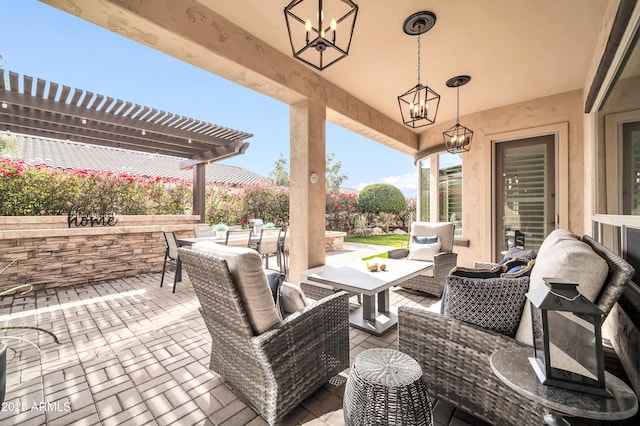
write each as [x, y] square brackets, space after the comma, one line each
[381, 198]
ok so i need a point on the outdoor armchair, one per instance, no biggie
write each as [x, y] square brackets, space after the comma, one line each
[170, 256]
[429, 242]
[273, 364]
[454, 352]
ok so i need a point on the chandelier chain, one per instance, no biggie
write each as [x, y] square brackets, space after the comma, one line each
[458, 105]
[418, 59]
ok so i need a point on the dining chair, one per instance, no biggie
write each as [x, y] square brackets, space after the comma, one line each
[268, 244]
[171, 255]
[240, 238]
[283, 250]
[204, 231]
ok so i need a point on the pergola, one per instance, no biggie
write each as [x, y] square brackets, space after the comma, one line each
[47, 109]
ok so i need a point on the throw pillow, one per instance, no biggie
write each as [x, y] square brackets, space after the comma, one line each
[517, 268]
[275, 280]
[292, 298]
[425, 240]
[518, 252]
[563, 255]
[424, 251]
[460, 271]
[494, 304]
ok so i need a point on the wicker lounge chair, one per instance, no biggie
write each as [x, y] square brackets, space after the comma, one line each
[443, 262]
[454, 355]
[276, 369]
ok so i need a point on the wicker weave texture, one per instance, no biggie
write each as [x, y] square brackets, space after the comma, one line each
[275, 371]
[443, 263]
[385, 387]
[454, 355]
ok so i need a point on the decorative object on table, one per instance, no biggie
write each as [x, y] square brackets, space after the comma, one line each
[320, 31]
[419, 105]
[385, 387]
[567, 338]
[458, 138]
[22, 289]
[221, 230]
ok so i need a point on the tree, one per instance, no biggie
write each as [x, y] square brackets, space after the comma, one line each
[9, 146]
[382, 198]
[334, 178]
[279, 176]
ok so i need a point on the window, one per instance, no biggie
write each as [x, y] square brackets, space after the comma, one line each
[448, 198]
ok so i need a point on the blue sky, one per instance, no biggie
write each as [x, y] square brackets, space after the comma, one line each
[43, 42]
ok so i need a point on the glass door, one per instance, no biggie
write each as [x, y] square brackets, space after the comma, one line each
[525, 191]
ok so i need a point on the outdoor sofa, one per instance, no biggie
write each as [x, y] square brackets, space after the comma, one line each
[454, 354]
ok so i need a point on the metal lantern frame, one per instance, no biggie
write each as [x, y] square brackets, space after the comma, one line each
[320, 33]
[579, 338]
[419, 105]
[515, 238]
[458, 138]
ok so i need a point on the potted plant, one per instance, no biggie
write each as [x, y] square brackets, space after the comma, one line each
[3, 346]
[221, 230]
[269, 225]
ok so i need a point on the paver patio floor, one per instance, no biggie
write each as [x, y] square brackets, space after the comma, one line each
[131, 352]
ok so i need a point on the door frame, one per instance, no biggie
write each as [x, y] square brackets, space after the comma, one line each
[614, 144]
[560, 131]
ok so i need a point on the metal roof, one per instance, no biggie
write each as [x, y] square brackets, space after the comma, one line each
[71, 155]
[47, 109]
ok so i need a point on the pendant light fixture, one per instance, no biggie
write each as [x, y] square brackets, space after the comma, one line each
[458, 138]
[320, 31]
[419, 105]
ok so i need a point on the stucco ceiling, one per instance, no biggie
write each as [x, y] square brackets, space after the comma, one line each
[513, 50]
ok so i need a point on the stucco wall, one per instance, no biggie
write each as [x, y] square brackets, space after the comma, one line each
[478, 165]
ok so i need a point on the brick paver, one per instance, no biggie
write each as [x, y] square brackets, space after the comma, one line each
[134, 353]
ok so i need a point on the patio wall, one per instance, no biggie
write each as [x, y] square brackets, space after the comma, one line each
[57, 255]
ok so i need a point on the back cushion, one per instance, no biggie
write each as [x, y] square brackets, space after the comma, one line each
[444, 231]
[563, 255]
[245, 266]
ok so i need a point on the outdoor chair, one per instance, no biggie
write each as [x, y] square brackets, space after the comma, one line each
[429, 242]
[204, 232]
[268, 244]
[283, 251]
[482, 314]
[256, 226]
[171, 255]
[272, 364]
[238, 238]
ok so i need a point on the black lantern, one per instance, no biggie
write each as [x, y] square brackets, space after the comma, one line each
[567, 338]
[320, 31]
[419, 105]
[515, 239]
[458, 138]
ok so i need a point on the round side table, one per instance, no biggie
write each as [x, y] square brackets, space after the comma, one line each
[385, 387]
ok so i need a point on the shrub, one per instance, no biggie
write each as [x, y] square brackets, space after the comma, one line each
[381, 198]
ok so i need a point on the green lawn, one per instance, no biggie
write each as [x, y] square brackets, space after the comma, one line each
[393, 240]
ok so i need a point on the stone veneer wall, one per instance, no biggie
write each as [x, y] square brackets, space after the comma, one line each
[58, 256]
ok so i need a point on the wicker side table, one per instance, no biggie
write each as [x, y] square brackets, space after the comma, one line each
[385, 387]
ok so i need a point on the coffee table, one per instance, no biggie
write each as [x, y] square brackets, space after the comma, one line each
[357, 279]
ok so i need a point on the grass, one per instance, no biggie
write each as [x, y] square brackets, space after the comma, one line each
[393, 240]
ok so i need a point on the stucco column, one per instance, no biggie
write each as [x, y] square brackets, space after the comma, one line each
[307, 196]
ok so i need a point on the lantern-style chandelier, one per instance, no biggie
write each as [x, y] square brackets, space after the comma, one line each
[458, 138]
[419, 105]
[320, 31]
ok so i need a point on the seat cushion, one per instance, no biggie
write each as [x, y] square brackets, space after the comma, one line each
[292, 298]
[245, 266]
[563, 255]
[494, 304]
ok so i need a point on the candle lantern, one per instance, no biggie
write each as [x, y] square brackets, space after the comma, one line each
[567, 338]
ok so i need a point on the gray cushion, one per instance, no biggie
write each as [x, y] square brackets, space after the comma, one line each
[494, 304]
[245, 266]
[563, 255]
[292, 298]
